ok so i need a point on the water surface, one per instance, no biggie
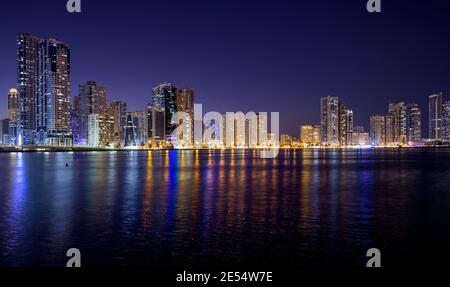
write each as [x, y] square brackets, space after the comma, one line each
[220, 208]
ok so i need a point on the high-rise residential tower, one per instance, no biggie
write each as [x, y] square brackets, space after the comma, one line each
[435, 116]
[446, 121]
[91, 100]
[13, 105]
[93, 124]
[329, 120]
[377, 130]
[164, 96]
[398, 113]
[345, 124]
[185, 103]
[414, 123]
[121, 109]
[27, 79]
[156, 125]
[53, 93]
[43, 83]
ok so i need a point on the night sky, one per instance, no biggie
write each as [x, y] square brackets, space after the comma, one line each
[245, 54]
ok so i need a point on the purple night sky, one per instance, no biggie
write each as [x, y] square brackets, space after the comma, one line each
[246, 54]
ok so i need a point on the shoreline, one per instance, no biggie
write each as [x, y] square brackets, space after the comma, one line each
[9, 149]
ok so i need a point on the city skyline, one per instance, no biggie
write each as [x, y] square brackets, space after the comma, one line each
[270, 62]
[49, 114]
[43, 112]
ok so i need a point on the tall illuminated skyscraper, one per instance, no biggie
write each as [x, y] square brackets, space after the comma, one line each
[43, 70]
[140, 126]
[13, 115]
[329, 120]
[345, 124]
[414, 123]
[389, 130]
[435, 116]
[446, 121]
[377, 130]
[91, 100]
[130, 132]
[13, 105]
[164, 96]
[53, 93]
[398, 112]
[240, 130]
[121, 108]
[93, 138]
[185, 103]
[27, 77]
[156, 125]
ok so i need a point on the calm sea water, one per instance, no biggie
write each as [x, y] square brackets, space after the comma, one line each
[223, 208]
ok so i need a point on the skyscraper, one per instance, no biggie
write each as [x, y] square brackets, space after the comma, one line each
[164, 96]
[156, 125]
[53, 92]
[91, 100]
[345, 124]
[13, 105]
[329, 121]
[140, 126]
[44, 91]
[74, 122]
[5, 138]
[240, 130]
[121, 109]
[398, 112]
[13, 115]
[435, 116]
[389, 130]
[446, 122]
[377, 130]
[185, 103]
[109, 128]
[414, 123]
[130, 132]
[93, 138]
[27, 78]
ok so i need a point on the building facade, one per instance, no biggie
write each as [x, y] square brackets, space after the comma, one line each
[164, 96]
[13, 105]
[310, 135]
[398, 113]
[378, 130]
[435, 116]
[156, 126]
[93, 138]
[414, 123]
[329, 120]
[43, 70]
[345, 124]
[120, 108]
[91, 100]
[446, 122]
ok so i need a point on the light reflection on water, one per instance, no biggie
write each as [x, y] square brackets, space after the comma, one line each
[204, 208]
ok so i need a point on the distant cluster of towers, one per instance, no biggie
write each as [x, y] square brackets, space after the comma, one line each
[401, 126]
